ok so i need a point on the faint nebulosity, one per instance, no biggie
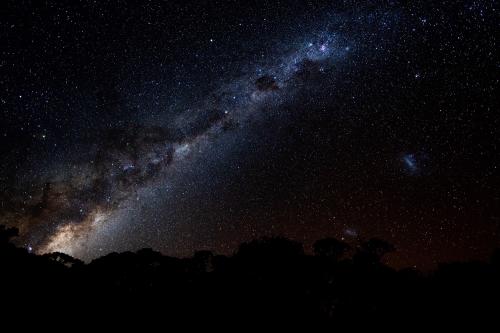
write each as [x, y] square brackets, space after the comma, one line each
[198, 125]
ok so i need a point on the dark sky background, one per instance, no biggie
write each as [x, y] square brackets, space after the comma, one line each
[202, 124]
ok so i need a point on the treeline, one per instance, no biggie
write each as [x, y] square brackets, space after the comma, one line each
[269, 278]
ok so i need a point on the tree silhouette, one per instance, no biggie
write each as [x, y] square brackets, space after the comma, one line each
[373, 250]
[267, 279]
[63, 259]
[6, 234]
[330, 248]
[203, 261]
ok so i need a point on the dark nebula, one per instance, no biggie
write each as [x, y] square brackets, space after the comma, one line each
[266, 83]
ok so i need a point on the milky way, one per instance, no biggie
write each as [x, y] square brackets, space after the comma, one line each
[74, 209]
[319, 125]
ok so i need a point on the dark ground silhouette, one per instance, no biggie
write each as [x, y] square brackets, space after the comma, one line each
[270, 278]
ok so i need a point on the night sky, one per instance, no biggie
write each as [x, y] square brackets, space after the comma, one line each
[195, 125]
